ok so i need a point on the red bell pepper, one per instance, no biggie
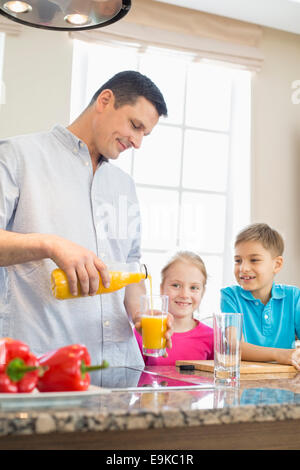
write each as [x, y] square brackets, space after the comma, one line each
[66, 369]
[19, 368]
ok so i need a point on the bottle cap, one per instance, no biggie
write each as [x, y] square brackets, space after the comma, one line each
[146, 271]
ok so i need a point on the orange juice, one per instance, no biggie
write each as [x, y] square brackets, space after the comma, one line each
[118, 279]
[153, 331]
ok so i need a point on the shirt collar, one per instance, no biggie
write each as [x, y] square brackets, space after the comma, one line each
[66, 137]
[277, 292]
[70, 140]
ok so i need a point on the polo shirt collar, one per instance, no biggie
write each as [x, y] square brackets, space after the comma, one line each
[277, 292]
[246, 294]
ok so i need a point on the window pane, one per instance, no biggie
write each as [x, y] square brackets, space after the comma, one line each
[157, 162]
[205, 162]
[159, 213]
[211, 299]
[154, 262]
[168, 72]
[202, 222]
[115, 59]
[208, 97]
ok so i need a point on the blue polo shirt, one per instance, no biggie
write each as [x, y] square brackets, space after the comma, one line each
[273, 325]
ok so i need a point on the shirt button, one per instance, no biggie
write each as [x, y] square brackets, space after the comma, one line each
[266, 317]
[81, 144]
[75, 150]
[256, 303]
[106, 323]
[86, 163]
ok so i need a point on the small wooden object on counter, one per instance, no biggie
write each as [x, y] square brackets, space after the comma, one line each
[245, 368]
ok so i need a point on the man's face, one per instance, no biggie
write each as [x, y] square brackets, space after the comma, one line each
[116, 130]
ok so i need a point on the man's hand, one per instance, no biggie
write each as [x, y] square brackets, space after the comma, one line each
[79, 264]
[169, 332]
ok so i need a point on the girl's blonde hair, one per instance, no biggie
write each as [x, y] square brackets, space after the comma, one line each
[186, 257]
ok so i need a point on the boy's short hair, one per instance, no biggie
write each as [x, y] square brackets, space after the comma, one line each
[269, 238]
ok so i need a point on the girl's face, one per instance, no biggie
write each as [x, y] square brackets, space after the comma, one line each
[184, 284]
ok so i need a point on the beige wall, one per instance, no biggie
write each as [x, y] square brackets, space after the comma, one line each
[276, 145]
[37, 75]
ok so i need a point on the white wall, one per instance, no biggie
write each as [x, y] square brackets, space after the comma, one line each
[276, 145]
[37, 76]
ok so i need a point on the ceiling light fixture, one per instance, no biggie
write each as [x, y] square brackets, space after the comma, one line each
[77, 19]
[65, 15]
[17, 7]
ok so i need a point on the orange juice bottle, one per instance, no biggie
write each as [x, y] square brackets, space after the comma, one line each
[121, 275]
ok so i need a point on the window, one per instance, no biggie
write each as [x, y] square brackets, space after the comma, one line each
[193, 173]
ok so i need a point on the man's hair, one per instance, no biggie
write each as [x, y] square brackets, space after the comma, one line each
[270, 239]
[128, 86]
[187, 257]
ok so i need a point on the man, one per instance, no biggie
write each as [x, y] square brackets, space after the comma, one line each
[63, 204]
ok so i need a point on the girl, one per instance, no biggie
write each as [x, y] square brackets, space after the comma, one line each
[183, 280]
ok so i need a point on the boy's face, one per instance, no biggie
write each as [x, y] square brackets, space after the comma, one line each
[255, 267]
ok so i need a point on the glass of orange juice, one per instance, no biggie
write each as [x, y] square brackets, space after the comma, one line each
[154, 310]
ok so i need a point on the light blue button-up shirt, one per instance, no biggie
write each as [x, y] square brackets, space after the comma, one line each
[274, 324]
[47, 186]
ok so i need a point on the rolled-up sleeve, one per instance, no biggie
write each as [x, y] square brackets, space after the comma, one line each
[9, 187]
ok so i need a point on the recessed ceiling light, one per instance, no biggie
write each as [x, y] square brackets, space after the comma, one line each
[17, 7]
[77, 19]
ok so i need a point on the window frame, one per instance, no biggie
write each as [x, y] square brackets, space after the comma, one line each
[237, 216]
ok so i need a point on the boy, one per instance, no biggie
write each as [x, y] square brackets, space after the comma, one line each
[271, 311]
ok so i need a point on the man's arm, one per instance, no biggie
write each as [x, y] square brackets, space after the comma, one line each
[132, 298]
[17, 248]
[78, 262]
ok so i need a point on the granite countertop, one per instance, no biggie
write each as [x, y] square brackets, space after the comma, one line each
[257, 399]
